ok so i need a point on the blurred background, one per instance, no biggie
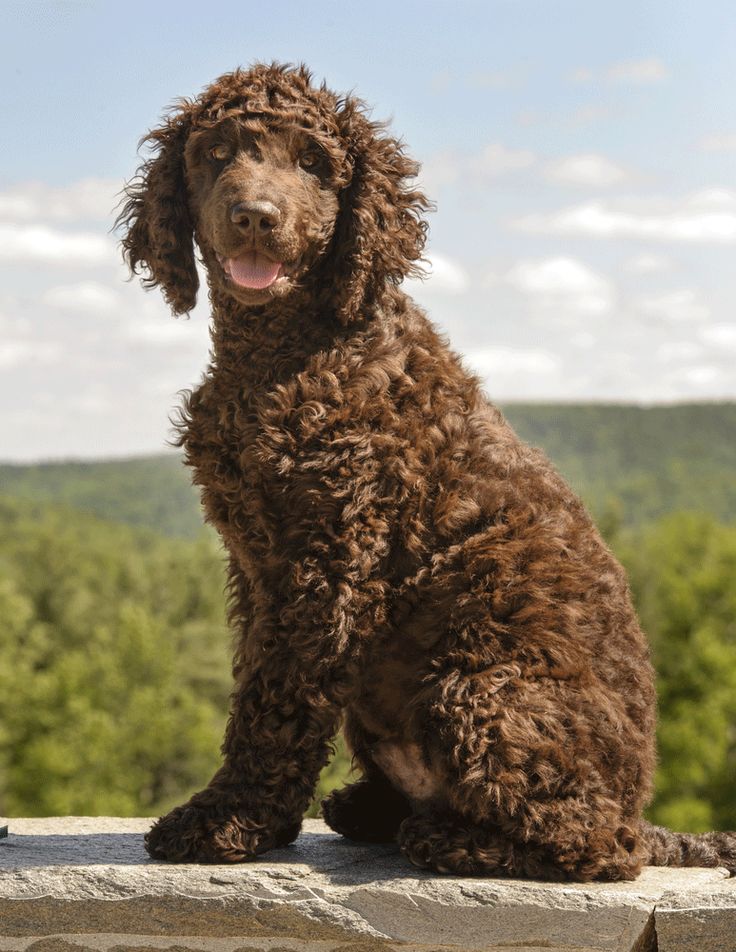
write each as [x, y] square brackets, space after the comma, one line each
[582, 157]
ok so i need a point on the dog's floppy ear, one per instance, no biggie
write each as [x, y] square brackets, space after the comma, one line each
[155, 215]
[380, 231]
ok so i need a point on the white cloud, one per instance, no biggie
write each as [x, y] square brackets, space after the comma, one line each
[17, 353]
[40, 243]
[509, 361]
[700, 375]
[721, 199]
[648, 264]
[720, 335]
[493, 161]
[677, 351]
[583, 339]
[89, 297]
[13, 352]
[36, 201]
[588, 169]
[707, 217]
[638, 72]
[445, 274]
[725, 142]
[169, 332]
[641, 72]
[496, 160]
[441, 169]
[563, 282]
[682, 306]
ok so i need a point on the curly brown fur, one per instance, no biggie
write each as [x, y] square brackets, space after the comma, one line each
[397, 556]
[666, 848]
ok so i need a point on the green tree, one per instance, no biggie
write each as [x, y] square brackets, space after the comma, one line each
[114, 674]
[682, 571]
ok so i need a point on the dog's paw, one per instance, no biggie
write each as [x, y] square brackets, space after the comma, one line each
[196, 834]
[365, 811]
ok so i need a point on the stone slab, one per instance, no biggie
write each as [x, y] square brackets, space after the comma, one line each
[699, 920]
[71, 883]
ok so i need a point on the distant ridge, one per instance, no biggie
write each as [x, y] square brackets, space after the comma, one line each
[154, 492]
[629, 463]
[641, 461]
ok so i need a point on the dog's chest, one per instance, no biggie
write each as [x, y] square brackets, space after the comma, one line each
[221, 440]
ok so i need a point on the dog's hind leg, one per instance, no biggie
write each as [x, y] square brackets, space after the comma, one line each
[529, 789]
[370, 810]
[447, 842]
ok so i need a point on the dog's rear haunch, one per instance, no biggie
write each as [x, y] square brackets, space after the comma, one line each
[398, 559]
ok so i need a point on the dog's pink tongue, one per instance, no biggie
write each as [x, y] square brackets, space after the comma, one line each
[253, 270]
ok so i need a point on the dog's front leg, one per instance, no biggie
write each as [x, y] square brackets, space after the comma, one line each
[320, 596]
[293, 675]
[277, 740]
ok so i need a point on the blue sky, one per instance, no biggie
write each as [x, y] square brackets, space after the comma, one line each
[582, 157]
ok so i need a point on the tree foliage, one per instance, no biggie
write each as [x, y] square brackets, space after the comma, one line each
[639, 462]
[153, 492]
[682, 572]
[113, 665]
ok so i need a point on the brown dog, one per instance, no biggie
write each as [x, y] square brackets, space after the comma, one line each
[397, 556]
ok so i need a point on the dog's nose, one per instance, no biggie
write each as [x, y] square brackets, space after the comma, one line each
[259, 217]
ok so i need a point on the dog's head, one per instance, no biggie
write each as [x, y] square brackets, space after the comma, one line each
[284, 186]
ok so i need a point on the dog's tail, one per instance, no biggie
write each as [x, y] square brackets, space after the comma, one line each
[666, 848]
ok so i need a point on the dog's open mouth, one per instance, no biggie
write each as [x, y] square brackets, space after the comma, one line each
[252, 270]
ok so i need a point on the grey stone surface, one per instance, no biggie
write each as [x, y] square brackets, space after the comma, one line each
[699, 920]
[86, 883]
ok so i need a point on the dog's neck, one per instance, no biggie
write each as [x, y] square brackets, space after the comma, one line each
[268, 344]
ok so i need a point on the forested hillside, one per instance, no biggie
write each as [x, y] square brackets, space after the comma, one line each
[113, 663]
[154, 492]
[639, 462]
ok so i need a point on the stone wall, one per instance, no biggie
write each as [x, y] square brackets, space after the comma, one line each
[86, 883]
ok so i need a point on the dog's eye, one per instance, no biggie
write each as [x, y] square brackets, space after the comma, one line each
[309, 160]
[220, 153]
